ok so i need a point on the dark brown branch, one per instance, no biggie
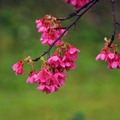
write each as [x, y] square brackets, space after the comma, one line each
[117, 23]
[61, 28]
[114, 22]
[76, 12]
[67, 28]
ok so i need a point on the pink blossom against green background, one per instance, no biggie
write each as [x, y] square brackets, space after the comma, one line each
[77, 3]
[53, 70]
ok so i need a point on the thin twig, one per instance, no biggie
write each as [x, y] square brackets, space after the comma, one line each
[114, 22]
[117, 23]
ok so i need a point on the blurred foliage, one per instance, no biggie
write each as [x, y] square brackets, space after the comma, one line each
[91, 91]
[78, 116]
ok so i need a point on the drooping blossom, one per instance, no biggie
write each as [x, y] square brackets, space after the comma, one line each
[77, 3]
[52, 75]
[47, 88]
[113, 61]
[55, 61]
[43, 76]
[32, 77]
[101, 56]
[111, 58]
[69, 57]
[68, 64]
[18, 68]
[110, 55]
[113, 64]
[72, 53]
[65, 58]
[59, 78]
[119, 36]
[50, 81]
[47, 22]
[49, 36]
[40, 25]
[46, 84]
[51, 30]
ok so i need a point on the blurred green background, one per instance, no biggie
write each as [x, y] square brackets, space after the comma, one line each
[91, 92]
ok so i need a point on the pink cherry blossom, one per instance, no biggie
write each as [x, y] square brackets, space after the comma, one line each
[50, 36]
[40, 26]
[59, 77]
[45, 23]
[101, 56]
[50, 81]
[43, 76]
[111, 56]
[77, 3]
[68, 64]
[119, 36]
[113, 64]
[32, 77]
[18, 68]
[47, 88]
[45, 79]
[55, 61]
[113, 61]
[108, 55]
[72, 53]
[51, 30]
[69, 57]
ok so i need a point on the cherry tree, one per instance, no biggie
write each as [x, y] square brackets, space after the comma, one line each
[52, 74]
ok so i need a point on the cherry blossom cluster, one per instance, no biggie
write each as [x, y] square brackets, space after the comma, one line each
[52, 74]
[77, 3]
[50, 28]
[110, 54]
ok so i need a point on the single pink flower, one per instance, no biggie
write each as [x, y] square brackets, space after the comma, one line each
[43, 76]
[47, 88]
[111, 56]
[59, 77]
[32, 77]
[97, 57]
[101, 56]
[72, 53]
[55, 61]
[113, 64]
[18, 68]
[68, 64]
[44, 24]
[119, 64]
[77, 3]
[40, 26]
